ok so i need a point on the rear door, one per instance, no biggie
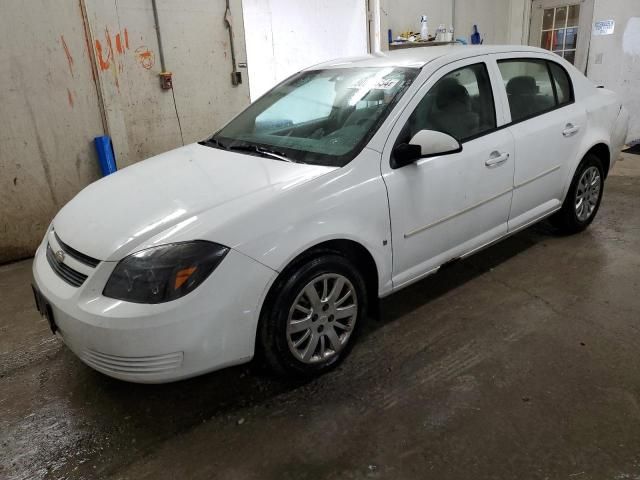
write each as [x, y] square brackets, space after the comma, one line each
[547, 126]
[444, 206]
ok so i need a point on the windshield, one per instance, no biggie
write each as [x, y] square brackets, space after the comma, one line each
[324, 117]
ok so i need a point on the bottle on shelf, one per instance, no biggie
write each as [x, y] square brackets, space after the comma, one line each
[424, 29]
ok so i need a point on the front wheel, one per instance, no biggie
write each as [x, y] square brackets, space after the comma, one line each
[309, 323]
[583, 198]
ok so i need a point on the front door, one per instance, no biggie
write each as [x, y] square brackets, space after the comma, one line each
[564, 27]
[444, 206]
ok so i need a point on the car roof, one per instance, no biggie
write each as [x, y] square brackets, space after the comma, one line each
[417, 57]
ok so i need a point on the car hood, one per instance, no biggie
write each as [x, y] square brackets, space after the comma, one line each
[112, 216]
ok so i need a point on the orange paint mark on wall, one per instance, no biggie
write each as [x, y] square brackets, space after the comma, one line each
[145, 57]
[70, 98]
[67, 54]
[119, 48]
[110, 59]
[103, 63]
[114, 65]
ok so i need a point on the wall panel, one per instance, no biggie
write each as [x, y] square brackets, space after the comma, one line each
[49, 113]
[71, 70]
[284, 36]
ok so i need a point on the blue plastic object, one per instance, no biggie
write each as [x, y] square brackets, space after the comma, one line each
[106, 158]
[475, 36]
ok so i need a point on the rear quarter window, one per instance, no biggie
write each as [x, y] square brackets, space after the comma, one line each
[562, 80]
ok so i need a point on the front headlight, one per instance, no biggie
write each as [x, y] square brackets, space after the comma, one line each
[161, 274]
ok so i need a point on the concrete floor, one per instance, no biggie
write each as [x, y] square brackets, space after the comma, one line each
[521, 362]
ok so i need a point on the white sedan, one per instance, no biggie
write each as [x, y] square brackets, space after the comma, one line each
[345, 183]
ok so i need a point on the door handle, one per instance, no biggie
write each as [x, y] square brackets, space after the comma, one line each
[570, 129]
[496, 158]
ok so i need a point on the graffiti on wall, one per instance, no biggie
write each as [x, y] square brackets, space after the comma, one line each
[145, 57]
[110, 55]
[109, 58]
[111, 51]
[106, 55]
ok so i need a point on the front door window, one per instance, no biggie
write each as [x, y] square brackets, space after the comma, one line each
[459, 104]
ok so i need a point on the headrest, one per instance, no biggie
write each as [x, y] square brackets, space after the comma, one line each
[523, 85]
[449, 92]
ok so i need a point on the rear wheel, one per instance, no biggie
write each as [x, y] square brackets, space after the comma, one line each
[583, 198]
[309, 323]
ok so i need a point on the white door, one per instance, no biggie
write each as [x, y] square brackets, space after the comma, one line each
[444, 206]
[564, 27]
[547, 126]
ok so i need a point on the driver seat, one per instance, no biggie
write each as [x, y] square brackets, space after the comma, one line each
[453, 113]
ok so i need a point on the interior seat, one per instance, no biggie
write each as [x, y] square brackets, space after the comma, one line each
[453, 113]
[365, 116]
[525, 98]
[522, 91]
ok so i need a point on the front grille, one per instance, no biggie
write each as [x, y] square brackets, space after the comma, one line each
[132, 365]
[68, 274]
[79, 256]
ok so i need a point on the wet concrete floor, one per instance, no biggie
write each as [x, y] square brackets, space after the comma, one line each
[520, 362]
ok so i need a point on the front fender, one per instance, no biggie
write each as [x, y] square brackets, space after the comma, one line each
[347, 204]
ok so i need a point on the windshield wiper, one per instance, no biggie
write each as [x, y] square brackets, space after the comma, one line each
[262, 151]
[265, 152]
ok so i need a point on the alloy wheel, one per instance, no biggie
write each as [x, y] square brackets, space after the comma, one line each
[322, 318]
[587, 193]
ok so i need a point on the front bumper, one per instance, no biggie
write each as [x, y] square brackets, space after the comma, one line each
[210, 328]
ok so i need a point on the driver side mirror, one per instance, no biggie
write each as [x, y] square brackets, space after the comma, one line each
[425, 143]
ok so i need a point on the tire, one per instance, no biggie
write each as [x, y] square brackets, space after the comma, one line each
[573, 218]
[296, 327]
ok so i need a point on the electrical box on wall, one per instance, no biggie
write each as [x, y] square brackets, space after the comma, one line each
[166, 82]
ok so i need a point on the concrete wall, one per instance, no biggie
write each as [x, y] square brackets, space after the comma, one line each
[284, 36]
[49, 113]
[499, 21]
[142, 118]
[71, 70]
[519, 18]
[403, 15]
[614, 60]
[491, 16]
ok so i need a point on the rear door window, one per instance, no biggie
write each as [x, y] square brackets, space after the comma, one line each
[534, 86]
[528, 86]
